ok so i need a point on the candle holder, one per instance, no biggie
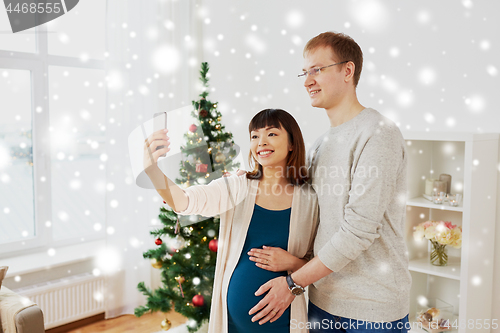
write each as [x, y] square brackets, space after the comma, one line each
[447, 179]
[439, 186]
[454, 199]
[438, 198]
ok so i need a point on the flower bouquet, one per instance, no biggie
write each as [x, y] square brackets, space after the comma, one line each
[440, 234]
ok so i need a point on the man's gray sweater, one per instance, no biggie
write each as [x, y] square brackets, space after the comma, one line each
[358, 170]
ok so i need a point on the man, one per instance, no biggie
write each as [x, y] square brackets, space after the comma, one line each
[359, 279]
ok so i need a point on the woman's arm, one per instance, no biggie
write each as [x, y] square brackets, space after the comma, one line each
[173, 195]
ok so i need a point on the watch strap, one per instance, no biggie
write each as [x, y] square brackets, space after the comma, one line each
[290, 282]
[294, 288]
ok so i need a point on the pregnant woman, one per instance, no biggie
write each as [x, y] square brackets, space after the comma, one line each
[268, 221]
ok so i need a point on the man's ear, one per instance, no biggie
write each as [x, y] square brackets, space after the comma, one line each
[349, 71]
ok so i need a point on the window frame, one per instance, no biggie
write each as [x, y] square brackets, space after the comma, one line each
[38, 64]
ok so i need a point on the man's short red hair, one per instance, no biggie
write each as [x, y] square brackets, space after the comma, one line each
[343, 47]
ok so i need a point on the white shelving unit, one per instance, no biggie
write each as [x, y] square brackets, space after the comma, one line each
[471, 160]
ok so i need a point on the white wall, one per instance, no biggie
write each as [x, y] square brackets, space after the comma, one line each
[495, 313]
[426, 65]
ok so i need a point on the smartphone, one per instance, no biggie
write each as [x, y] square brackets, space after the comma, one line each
[160, 122]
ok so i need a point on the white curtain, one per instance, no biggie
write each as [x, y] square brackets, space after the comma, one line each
[152, 63]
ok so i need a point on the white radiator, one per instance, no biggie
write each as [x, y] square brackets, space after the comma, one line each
[69, 299]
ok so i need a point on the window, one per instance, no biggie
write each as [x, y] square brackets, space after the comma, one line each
[81, 34]
[16, 159]
[52, 129]
[77, 128]
[20, 42]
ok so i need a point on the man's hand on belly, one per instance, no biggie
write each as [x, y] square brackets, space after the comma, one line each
[277, 300]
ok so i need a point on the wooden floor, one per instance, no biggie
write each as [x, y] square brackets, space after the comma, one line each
[148, 323]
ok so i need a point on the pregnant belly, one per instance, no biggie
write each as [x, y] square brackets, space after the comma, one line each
[245, 281]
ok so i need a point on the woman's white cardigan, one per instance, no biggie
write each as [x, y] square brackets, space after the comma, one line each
[233, 198]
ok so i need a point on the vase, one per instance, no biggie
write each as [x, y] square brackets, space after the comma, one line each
[439, 254]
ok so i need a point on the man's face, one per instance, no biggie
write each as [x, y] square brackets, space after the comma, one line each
[326, 88]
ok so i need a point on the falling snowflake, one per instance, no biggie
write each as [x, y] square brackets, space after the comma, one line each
[427, 76]
[467, 4]
[294, 18]
[297, 40]
[371, 15]
[394, 52]
[485, 45]
[423, 17]
[166, 59]
[429, 117]
[475, 103]
[255, 43]
[476, 280]
[492, 70]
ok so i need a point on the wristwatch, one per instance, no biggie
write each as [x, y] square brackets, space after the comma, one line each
[294, 288]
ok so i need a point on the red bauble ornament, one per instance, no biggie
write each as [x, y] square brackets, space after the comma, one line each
[201, 167]
[193, 128]
[203, 113]
[213, 245]
[198, 301]
[158, 241]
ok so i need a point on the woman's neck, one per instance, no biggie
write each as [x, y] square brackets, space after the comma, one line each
[274, 176]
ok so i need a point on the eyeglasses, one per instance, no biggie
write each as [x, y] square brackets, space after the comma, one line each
[317, 70]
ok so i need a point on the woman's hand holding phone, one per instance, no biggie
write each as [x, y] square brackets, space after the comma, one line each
[151, 148]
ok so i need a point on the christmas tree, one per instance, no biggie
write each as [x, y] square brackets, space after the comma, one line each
[186, 247]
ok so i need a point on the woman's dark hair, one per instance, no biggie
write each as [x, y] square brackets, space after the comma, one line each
[296, 171]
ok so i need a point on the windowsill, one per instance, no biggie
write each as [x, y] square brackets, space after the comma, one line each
[30, 263]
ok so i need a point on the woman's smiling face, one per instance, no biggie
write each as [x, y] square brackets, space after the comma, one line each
[270, 146]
